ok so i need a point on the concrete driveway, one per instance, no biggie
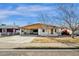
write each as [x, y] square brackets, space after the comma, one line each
[16, 39]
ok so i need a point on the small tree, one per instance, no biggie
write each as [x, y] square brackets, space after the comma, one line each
[69, 15]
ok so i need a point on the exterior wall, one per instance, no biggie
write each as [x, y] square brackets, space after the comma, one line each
[21, 32]
[58, 31]
[40, 32]
[47, 32]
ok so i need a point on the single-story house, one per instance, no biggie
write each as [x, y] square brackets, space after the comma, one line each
[41, 29]
[8, 29]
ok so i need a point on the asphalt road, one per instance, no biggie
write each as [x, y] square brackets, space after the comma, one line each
[39, 52]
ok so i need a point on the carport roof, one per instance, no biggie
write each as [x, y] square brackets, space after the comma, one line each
[9, 26]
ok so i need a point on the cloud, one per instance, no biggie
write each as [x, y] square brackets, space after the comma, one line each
[4, 14]
[33, 8]
[26, 11]
[7, 13]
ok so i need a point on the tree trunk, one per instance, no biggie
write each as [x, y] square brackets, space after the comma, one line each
[72, 35]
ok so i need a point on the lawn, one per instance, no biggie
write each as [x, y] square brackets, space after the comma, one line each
[55, 40]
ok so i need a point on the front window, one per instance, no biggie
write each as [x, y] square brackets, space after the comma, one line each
[43, 30]
[0, 30]
[51, 31]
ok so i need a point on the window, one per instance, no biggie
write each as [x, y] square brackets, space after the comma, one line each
[22, 31]
[51, 31]
[0, 30]
[36, 30]
[43, 30]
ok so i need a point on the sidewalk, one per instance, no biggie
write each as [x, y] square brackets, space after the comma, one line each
[37, 45]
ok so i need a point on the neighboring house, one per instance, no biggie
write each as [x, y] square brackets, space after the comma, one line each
[8, 29]
[40, 29]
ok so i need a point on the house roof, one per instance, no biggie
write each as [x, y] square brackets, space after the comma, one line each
[37, 26]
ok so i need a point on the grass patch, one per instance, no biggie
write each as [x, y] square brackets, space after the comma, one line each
[43, 40]
[67, 40]
[55, 40]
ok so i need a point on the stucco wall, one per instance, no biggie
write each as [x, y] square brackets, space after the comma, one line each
[47, 32]
[40, 32]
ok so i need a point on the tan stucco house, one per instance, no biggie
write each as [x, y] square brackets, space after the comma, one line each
[40, 29]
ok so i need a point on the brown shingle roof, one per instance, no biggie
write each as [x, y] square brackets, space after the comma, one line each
[36, 26]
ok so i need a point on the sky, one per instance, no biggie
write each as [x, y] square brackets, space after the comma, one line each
[26, 13]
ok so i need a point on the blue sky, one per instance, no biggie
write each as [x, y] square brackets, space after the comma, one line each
[26, 13]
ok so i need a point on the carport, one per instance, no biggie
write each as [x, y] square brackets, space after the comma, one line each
[34, 31]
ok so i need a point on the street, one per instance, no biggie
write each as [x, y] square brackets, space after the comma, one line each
[39, 52]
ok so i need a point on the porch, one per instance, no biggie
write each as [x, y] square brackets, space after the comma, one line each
[8, 31]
